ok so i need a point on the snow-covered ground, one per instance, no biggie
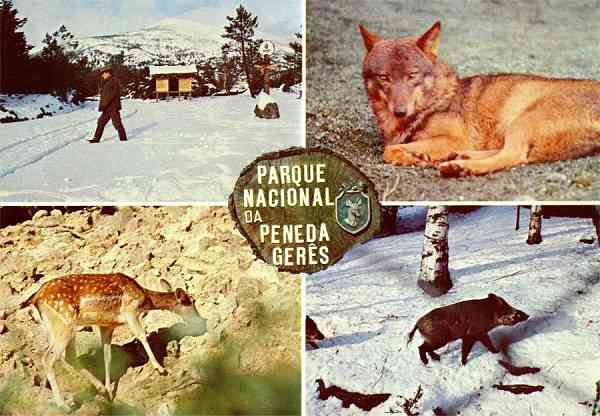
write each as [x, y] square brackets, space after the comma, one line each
[178, 150]
[32, 105]
[367, 304]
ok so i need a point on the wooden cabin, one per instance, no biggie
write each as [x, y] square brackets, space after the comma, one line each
[177, 80]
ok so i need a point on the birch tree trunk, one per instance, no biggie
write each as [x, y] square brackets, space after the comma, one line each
[434, 276]
[535, 225]
[596, 220]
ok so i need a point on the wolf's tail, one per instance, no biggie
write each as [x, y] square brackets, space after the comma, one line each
[411, 334]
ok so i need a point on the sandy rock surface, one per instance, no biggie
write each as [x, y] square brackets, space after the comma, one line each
[195, 248]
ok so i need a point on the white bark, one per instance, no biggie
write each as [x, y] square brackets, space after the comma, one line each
[434, 276]
[535, 225]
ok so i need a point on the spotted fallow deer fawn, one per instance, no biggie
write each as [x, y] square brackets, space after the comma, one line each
[103, 301]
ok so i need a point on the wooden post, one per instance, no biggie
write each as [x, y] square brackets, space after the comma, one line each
[1, 46]
[596, 409]
[266, 73]
[596, 220]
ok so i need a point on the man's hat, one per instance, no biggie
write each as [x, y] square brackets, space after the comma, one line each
[106, 68]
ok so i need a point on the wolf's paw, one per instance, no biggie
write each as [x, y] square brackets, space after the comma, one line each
[450, 156]
[453, 169]
[396, 155]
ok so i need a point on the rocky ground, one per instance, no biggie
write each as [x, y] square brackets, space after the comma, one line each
[253, 311]
[547, 37]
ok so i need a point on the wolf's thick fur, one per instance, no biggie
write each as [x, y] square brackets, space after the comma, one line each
[427, 115]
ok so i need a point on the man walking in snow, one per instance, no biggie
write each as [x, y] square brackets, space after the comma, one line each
[110, 105]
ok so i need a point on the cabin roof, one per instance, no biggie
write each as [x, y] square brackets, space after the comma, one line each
[172, 69]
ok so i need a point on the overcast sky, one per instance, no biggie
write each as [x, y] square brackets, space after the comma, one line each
[98, 17]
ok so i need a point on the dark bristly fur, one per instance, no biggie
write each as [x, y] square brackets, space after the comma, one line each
[470, 320]
[312, 333]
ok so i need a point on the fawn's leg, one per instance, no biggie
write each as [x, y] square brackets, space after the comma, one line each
[59, 334]
[106, 333]
[138, 330]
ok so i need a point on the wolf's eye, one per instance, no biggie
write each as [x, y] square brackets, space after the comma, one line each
[413, 76]
[382, 78]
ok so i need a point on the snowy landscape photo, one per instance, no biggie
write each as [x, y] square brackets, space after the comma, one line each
[203, 88]
[364, 310]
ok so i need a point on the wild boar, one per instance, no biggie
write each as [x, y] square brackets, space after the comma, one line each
[470, 320]
[312, 333]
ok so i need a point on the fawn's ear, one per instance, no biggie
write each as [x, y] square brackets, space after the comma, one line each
[182, 297]
[370, 39]
[429, 42]
[165, 285]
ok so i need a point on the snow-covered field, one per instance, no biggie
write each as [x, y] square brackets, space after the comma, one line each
[367, 304]
[180, 150]
[32, 105]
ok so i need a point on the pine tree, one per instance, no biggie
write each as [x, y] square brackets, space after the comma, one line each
[14, 50]
[61, 62]
[294, 62]
[241, 31]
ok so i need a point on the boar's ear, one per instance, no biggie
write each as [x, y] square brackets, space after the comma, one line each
[370, 39]
[492, 296]
[429, 42]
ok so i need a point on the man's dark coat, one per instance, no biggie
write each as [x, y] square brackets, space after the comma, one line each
[110, 95]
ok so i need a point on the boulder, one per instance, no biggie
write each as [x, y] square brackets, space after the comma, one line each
[266, 107]
[271, 111]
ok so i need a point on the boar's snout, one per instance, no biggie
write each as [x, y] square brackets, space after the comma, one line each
[521, 316]
[514, 318]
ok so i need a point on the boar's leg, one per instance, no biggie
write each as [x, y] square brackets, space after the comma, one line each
[425, 349]
[487, 342]
[423, 353]
[467, 345]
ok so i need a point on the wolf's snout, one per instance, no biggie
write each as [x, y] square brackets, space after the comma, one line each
[400, 111]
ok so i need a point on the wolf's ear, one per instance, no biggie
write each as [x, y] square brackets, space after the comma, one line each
[429, 42]
[370, 39]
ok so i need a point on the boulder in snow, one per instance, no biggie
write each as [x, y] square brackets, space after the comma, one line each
[266, 107]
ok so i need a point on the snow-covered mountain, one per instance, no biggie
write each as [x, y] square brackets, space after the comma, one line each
[171, 41]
